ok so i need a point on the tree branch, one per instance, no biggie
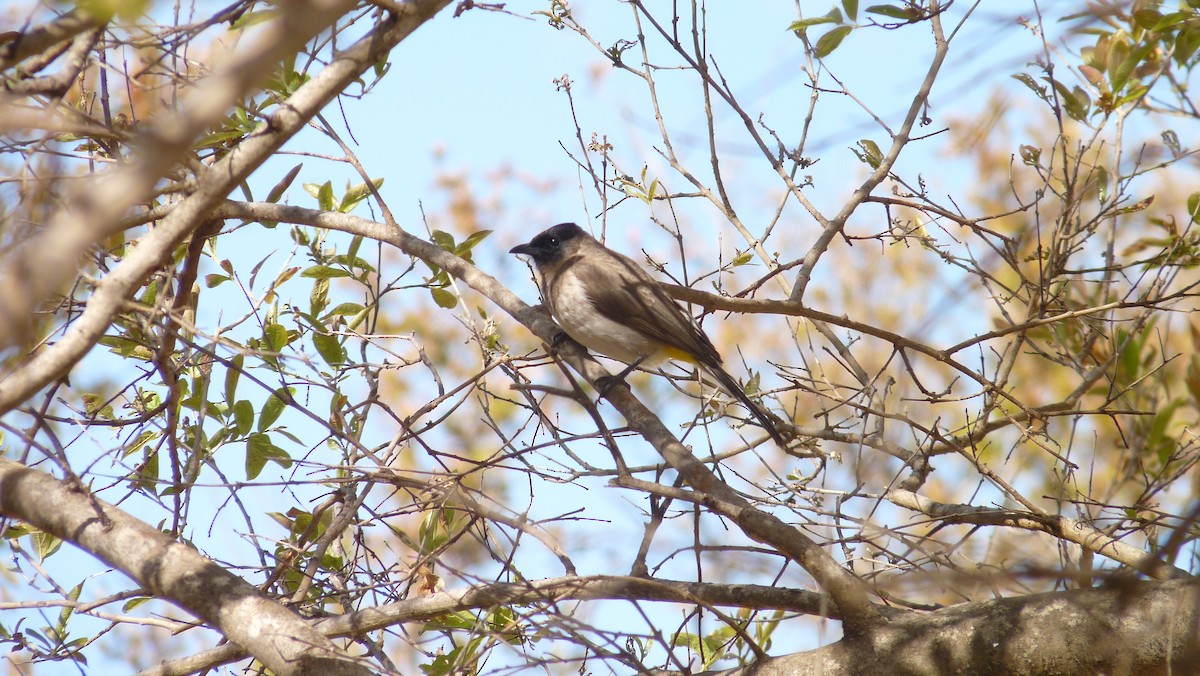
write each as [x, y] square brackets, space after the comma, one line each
[1059, 526]
[589, 588]
[274, 635]
[1139, 628]
[40, 38]
[211, 188]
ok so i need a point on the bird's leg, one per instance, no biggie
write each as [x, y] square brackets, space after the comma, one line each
[631, 368]
[604, 383]
[557, 341]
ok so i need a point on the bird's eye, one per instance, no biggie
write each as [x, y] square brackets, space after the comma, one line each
[553, 241]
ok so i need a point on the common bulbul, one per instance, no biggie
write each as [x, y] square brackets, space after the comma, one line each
[610, 304]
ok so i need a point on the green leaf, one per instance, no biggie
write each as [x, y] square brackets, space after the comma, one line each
[1075, 101]
[273, 407]
[284, 276]
[147, 476]
[831, 40]
[199, 398]
[470, 242]
[461, 619]
[280, 457]
[1193, 206]
[284, 520]
[150, 295]
[232, 374]
[753, 384]
[45, 544]
[60, 627]
[804, 24]
[444, 298]
[277, 337]
[1157, 441]
[1169, 20]
[505, 623]
[1187, 41]
[319, 298]
[1094, 76]
[214, 280]
[324, 272]
[1028, 81]
[96, 406]
[1131, 358]
[325, 196]
[18, 530]
[894, 12]
[871, 154]
[354, 262]
[1134, 94]
[243, 417]
[140, 441]
[356, 321]
[347, 309]
[292, 437]
[314, 189]
[127, 348]
[443, 240]
[851, 7]
[1146, 18]
[218, 138]
[258, 451]
[741, 259]
[356, 194]
[219, 438]
[330, 348]
[134, 603]
[1101, 184]
[436, 529]
[282, 186]
[1124, 69]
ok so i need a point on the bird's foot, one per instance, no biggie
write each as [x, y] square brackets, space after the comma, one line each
[605, 383]
[557, 341]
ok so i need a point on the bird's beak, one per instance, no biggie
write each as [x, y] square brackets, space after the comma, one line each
[526, 249]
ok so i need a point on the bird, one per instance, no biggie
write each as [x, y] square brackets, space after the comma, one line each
[609, 304]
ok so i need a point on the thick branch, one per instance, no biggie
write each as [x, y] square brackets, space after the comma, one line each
[171, 570]
[591, 588]
[1140, 628]
[1134, 628]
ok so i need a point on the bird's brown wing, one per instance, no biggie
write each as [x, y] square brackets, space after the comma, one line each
[640, 303]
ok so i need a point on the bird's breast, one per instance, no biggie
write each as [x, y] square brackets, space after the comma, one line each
[577, 314]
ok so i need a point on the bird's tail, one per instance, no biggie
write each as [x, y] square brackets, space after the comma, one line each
[731, 386]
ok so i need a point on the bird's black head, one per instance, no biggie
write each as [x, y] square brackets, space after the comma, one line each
[550, 244]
